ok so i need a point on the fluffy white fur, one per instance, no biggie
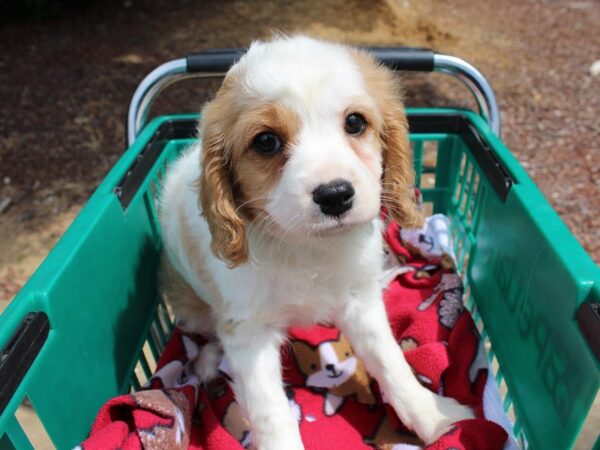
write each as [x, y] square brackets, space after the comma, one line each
[303, 267]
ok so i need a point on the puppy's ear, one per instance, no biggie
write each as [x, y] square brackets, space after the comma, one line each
[398, 173]
[216, 189]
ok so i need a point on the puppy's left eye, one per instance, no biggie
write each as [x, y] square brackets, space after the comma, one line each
[267, 143]
[355, 124]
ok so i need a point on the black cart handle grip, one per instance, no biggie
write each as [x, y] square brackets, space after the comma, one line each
[404, 58]
[215, 63]
[396, 58]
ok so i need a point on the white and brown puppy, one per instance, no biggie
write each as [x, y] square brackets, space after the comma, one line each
[272, 221]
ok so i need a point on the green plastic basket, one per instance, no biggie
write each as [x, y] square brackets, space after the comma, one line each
[89, 324]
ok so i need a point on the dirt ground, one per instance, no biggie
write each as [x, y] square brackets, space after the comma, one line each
[66, 81]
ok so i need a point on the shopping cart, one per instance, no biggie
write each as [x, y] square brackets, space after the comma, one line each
[89, 324]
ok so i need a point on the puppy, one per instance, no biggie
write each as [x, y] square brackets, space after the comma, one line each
[273, 221]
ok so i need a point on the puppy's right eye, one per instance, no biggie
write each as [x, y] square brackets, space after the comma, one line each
[355, 124]
[267, 143]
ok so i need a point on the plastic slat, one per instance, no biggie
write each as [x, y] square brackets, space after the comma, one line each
[474, 199]
[145, 365]
[482, 330]
[465, 248]
[459, 257]
[159, 329]
[470, 303]
[463, 184]
[457, 183]
[507, 401]
[418, 161]
[164, 313]
[456, 230]
[135, 383]
[162, 321]
[154, 349]
[518, 431]
[490, 355]
[499, 376]
[462, 206]
[469, 197]
[158, 337]
[477, 206]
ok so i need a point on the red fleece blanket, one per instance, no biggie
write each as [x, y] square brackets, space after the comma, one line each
[438, 336]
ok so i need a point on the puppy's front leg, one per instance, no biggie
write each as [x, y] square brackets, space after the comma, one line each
[252, 353]
[365, 323]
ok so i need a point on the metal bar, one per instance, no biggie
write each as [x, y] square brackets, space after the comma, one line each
[477, 84]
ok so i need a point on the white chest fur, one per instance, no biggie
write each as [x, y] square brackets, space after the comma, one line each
[300, 283]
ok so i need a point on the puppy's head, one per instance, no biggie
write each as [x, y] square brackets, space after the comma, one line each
[304, 138]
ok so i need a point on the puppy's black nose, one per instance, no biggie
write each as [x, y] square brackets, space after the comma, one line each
[330, 367]
[335, 197]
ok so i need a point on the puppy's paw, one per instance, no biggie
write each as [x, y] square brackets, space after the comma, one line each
[435, 422]
[207, 363]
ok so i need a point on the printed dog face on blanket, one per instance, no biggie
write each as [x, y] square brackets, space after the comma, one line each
[332, 366]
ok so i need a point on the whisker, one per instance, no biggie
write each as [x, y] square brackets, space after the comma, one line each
[252, 200]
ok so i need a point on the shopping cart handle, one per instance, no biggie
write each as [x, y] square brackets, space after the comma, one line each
[398, 58]
[215, 63]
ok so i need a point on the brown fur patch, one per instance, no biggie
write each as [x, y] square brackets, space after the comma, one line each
[398, 177]
[235, 179]
[216, 190]
[255, 174]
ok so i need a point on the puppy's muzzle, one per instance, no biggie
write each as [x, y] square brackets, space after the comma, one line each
[335, 197]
